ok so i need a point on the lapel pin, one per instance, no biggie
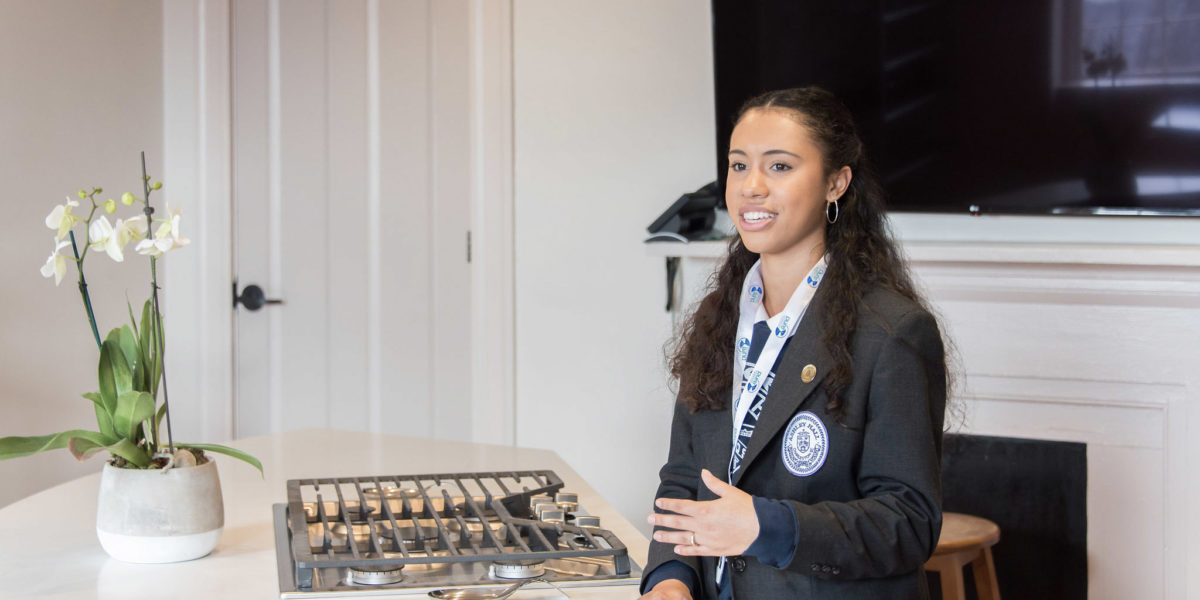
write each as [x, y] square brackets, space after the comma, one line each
[808, 374]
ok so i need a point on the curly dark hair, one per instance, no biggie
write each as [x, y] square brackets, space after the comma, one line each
[859, 248]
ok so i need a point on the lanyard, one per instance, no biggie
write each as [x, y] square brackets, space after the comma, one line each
[747, 383]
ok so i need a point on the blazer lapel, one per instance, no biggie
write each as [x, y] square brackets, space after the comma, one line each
[788, 390]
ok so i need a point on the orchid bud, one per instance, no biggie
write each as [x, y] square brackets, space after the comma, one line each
[98, 190]
[157, 185]
[82, 194]
[110, 206]
[126, 198]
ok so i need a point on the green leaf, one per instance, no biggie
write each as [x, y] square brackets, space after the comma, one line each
[16, 447]
[108, 384]
[123, 336]
[103, 417]
[128, 451]
[133, 407]
[143, 356]
[144, 332]
[132, 319]
[122, 376]
[226, 450]
[104, 421]
[83, 448]
[147, 342]
[162, 412]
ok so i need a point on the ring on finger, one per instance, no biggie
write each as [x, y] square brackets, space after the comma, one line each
[693, 542]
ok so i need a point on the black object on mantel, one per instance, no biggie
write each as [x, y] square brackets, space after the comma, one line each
[690, 218]
[1036, 491]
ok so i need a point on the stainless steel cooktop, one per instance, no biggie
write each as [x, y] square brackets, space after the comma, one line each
[424, 533]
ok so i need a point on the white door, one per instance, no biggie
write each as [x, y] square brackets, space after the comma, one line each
[352, 204]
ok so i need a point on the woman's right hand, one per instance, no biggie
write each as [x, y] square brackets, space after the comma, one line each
[669, 589]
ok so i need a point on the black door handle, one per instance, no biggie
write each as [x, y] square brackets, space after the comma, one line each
[252, 297]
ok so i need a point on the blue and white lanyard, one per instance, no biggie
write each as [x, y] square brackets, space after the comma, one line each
[748, 382]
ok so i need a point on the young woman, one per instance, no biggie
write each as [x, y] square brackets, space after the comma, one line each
[805, 448]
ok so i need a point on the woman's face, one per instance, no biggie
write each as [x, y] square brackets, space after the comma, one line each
[777, 189]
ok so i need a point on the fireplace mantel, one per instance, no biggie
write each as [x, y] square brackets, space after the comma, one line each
[1141, 255]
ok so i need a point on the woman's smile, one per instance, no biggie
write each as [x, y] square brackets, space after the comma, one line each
[757, 220]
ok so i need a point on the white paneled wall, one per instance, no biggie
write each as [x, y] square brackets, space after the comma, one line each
[1078, 344]
[81, 83]
[613, 119]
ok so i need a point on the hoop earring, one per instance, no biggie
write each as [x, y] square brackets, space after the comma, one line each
[832, 219]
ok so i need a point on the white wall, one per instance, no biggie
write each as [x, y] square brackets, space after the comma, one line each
[82, 95]
[613, 121]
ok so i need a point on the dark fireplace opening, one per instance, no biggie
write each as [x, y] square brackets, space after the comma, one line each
[1036, 491]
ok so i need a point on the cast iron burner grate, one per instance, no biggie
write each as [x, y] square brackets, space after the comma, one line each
[377, 527]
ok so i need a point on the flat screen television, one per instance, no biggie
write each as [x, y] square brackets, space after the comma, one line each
[990, 106]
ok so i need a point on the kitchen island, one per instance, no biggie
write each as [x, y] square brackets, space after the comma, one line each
[50, 548]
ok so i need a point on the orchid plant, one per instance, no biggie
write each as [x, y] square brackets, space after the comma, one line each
[131, 368]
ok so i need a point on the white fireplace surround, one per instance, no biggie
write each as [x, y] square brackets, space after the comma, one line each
[1092, 343]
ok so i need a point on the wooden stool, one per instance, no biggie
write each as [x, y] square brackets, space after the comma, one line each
[966, 539]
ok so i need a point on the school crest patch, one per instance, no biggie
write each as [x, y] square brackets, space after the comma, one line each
[805, 444]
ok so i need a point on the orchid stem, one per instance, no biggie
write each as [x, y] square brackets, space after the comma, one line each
[158, 333]
[87, 300]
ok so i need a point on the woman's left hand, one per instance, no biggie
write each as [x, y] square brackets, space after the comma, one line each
[722, 527]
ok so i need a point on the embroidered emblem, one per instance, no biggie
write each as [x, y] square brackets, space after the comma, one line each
[805, 444]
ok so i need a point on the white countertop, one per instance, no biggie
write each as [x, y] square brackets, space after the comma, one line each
[48, 545]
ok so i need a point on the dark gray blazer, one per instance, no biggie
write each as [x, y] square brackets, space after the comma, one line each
[870, 516]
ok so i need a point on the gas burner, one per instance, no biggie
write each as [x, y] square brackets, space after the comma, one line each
[396, 498]
[337, 535]
[517, 569]
[428, 534]
[355, 512]
[376, 575]
[384, 534]
[418, 569]
[464, 510]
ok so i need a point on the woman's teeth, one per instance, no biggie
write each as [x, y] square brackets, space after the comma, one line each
[757, 217]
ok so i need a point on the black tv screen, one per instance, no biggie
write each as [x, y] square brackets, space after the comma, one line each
[990, 106]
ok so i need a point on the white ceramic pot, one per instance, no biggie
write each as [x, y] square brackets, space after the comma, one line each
[155, 516]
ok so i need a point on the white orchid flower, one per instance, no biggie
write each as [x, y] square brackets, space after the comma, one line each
[154, 246]
[131, 229]
[56, 265]
[178, 240]
[166, 237]
[61, 218]
[102, 236]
